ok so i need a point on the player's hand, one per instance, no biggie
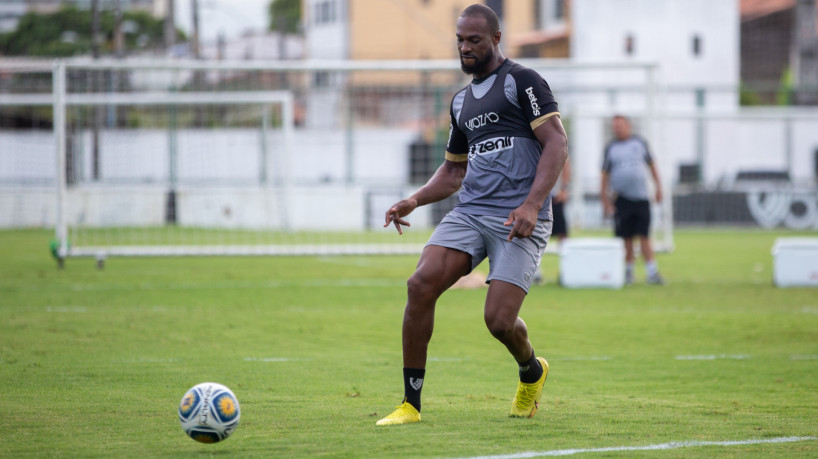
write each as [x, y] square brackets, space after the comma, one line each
[396, 213]
[562, 196]
[607, 209]
[658, 195]
[522, 220]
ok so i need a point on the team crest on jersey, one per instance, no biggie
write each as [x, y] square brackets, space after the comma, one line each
[490, 146]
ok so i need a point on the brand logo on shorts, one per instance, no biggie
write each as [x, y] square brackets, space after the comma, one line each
[535, 107]
[491, 146]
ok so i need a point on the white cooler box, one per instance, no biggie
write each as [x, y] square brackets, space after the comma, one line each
[795, 262]
[592, 262]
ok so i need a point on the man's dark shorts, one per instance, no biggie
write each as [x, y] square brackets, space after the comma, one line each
[631, 218]
[560, 225]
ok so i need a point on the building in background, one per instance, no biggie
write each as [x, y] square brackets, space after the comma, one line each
[550, 33]
[406, 29]
[779, 50]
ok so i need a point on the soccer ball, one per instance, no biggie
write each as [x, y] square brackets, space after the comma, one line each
[209, 412]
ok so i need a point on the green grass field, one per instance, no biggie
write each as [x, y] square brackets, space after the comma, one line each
[93, 363]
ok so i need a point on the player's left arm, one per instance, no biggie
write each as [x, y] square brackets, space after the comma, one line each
[540, 108]
[654, 172]
[551, 136]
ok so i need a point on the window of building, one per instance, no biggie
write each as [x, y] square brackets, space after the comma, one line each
[538, 22]
[324, 12]
[550, 14]
[629, 45]
[559, 10]
[497, 6]
[320, 79]
[697, 45]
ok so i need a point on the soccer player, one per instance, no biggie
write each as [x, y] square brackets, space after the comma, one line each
[505, 152]
[623, 172]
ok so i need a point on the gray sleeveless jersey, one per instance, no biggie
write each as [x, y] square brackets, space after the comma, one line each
[624, 161]
[492, 122]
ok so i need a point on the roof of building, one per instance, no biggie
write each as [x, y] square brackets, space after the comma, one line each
[537, 37]
[754, 9]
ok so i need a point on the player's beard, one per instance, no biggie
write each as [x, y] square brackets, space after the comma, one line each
[479, 65]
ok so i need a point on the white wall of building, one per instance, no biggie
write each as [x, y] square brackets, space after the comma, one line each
[220, 178]
[326, 32]
[663, 31]
[695, 46]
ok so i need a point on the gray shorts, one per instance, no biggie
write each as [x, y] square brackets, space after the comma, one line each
[514, 262]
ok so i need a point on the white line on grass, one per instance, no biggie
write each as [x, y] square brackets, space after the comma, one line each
[239, 285]
[275, 359]
[713, 357]
[581, 358]
[660, 446]
[804, 357]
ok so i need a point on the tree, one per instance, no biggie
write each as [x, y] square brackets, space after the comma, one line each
[67, 32]
[285, 15]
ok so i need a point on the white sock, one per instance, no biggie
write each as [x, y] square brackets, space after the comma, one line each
[652, 268]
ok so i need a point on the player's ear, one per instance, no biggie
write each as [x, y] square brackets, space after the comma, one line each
[496, 39]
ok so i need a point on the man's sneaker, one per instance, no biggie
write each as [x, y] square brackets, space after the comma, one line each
[405, 414]
[528, 395]
[628, 278]
[656, 279]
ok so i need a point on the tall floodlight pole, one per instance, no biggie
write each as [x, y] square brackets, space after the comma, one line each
[119, 39]
[96, 111]
[195, 39]
[806, 53]
[169, 29]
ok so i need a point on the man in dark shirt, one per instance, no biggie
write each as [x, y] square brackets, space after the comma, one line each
[506, 149]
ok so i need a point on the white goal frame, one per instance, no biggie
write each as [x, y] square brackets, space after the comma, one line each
[62, 100]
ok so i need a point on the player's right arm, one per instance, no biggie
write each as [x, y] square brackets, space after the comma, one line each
[607, 206]
[444, 183]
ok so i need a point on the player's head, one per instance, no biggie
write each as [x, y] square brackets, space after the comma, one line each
[621, 126]
[478, 39]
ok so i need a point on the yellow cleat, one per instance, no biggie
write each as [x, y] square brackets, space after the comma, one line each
[528, 395]
[405, 414]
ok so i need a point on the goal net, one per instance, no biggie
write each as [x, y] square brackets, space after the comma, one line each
[154, 158]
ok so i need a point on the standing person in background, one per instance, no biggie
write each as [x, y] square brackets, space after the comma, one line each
[623, 175]
[505, 152]
[558, 199]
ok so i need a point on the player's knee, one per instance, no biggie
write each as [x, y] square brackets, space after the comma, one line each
[500, 327]
[419, 288]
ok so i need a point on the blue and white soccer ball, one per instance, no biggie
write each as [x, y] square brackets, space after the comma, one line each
[209, 412]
